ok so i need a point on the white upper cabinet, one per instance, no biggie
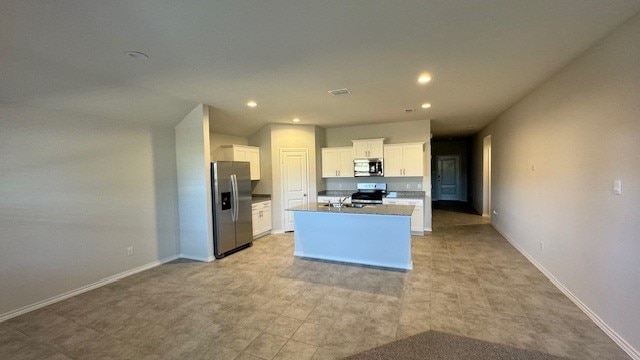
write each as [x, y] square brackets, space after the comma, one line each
[337, 162]
[243, 153]
[401, 160]
[392, 160]
[368, 148]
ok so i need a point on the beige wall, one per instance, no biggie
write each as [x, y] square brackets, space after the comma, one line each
[320, 141]
[262, 139]
[581, 131]
[194, 185]
[75, 192]
[395, 132]
[289, 137]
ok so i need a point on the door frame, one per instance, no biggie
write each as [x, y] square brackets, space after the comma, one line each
[486, 176]
[458, 180]
[283, 204]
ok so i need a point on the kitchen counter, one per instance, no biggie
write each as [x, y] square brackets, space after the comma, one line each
[258, 198]
[405, 195]
[392, 210]
[378, 235]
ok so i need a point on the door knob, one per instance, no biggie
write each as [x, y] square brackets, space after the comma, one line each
[304, 194]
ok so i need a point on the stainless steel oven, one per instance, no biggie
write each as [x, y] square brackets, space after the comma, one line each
[367, 167]
[368, 194]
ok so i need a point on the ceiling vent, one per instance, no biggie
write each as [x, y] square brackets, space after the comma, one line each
[408, 111]
[343, 91]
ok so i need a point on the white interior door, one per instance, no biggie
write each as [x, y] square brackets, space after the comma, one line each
[448, 181]
[295, 182]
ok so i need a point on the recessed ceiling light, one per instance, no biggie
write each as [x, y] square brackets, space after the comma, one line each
[426, 105]
[136, 55]
[336, 92]
[252, 104]
[424, 78]
[296, 120]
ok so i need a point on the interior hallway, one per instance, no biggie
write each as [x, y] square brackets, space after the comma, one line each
[262, 303]
[455, 213]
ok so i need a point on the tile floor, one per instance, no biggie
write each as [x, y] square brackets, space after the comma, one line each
[262, 303]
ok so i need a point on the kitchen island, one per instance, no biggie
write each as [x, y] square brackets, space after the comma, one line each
[378, 235]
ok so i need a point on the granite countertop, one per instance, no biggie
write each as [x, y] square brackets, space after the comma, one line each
[397, 210]
[258, 198]
[405, 195]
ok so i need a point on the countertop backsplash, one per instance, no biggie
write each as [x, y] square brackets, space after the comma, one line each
[391, 194]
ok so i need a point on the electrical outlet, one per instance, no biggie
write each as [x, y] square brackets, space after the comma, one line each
[130, 251]
[617, 187]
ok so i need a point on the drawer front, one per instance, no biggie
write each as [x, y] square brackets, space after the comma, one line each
[393, 202]
[265, 205]
[415, 202]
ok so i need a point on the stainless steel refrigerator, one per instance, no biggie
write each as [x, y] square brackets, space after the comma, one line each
[231, 192]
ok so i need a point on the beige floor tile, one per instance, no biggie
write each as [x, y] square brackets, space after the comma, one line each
[467, 280]
[284, 326]
[247, 356]
[294, 350]
[312, 333]
[258, 320]
[266, 346]
[15, 345]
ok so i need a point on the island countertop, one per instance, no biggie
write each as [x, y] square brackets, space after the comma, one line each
[394, 210]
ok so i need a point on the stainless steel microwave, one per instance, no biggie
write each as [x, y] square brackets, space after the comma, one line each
[367, 167]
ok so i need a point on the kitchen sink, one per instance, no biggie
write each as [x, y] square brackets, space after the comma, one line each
[336, 205]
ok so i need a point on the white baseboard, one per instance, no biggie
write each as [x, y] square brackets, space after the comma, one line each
[428, 229]
[83, 289]
[265, 233]
[630, 350]
[277, 231]
[197, 258]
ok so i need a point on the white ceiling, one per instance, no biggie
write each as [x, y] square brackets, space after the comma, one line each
[285, 54]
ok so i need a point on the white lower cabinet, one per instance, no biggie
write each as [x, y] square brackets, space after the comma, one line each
[261, 218]
[417, 217]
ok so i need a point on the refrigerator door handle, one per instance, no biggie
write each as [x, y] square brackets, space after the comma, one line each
[235, 202]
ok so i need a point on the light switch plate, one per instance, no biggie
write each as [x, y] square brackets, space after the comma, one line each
[617, 187]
